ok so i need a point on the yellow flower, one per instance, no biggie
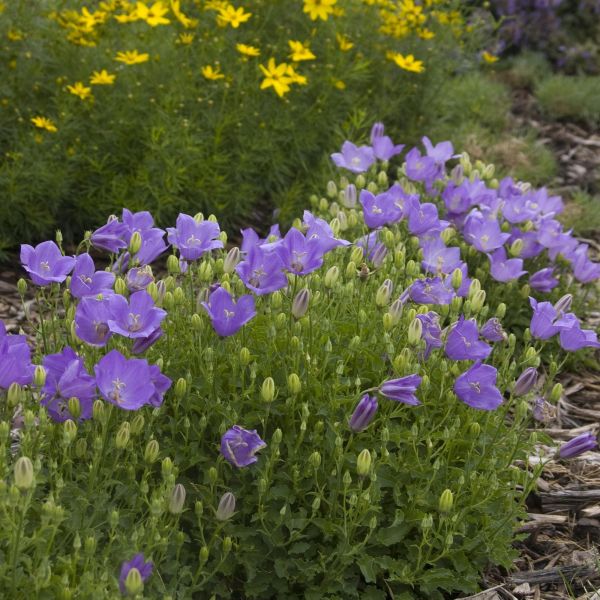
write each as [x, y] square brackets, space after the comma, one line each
[132, 57]
[426, 34]
[339, 84]
[300, 51]
[153, 15]
[344, 43]
[408, 63]
[295, 77]
[212, 74]
[186, 21]
[247, 50]
[44, 123]
[80, 90]
[232, 16]
[319, 9]
[489, 58]
[102, 78]
[215, 4]
[185, 38]
[14, 35]
[276, 76]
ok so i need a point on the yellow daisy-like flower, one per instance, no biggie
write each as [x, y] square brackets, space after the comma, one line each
[102, 78]
[489, 58]
[132, 57]
[276, 76]
[186, 21]
[232, 16]
[426, 34]
[14, 35]
[247, 50]
[343, 42]
[212, 74]
[80, 90]
[295, 77]
[339, 84]
[408, 62]
[319, 9]
[185, 38]
[300, 51]
[44, 123]
[153, 15]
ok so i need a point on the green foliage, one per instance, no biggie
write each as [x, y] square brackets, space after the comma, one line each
[576, 98]
[526, 70]
[583, 214]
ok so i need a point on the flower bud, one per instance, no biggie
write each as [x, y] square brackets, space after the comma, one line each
[23, 471]
[123, 435]
[415, 330]
[457, 277]
[98, 410]
[74, 407]
[134, 584]
[205, 272]
[363, 463]
[39, 376]
[81, 448]
[22, 286]
[300, 303]
[474, 288]
[331, 276]
[267, 390]
[316, 504]
[135, 243]
[212, 475]
[180, 387]
[245, 357]
[526, 381]
[350, 196]
[477, 301]
[120, 286]
[294, 383]
[379, 255]
[177, 500]
[578, 445]
[231, 260]
[166, 467]
[556, 393]
[516, 247]
[14, 394]
[384, 293]
[69, 431]
[227, 544]
[563, 304]
[226, 507]
[446, 501]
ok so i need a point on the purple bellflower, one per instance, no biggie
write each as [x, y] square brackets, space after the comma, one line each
[112, 237]
[86, 281]
[505, 269]
[378, 210]
[139, 278]
[440, 153]
[526, 381]
[142, 344]
[383, 147]
[572, 337]
[250, 238]
[298, 254]
[402, 389]
[91, 319]
[430, 291]
[357, 159]
[420, 168]
[543, 280]
[492, 330]
[15, 359]
[193, 238]
[439, 258]
[239, 446]
[578, 445]
[431, 331]
[137, 562]
[477, 387]
[138, 318]
[228, 316]
[483, 233]
[463, 342]
[531, 248]
[45, 263]
[66, 377]
[319, 231]
[584, 270]
[543, 324]
[262, 271]
[161, 385]
[363, 413]
[422, 217]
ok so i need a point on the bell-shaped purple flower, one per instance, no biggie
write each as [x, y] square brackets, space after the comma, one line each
[45, 263]
[228, 316]
[543, 280]
[15, 359]
[262, 271]
[161, 384]
[572, 337]
[86, 281]
[530, 248]
[357, 159]
[142, 344]
[139, 278]
[584, 270]
[298, 254]
[483, 233]
[492, 330]
[578, 445]
[463, 342]
[543, 319]
[319, 232]
[112, 237]
[505, 269]
[420, 168]
[127, 383]
[441, 152]
[378, 210]
[363, 413]
[239, 446]
[402, 389]
[138, 318]
[193, 238]
[526, 381]
[431, 331]
[439, 258]
[477, 387]
[383, 147]
[430, 291]
[66, 377]
[137, 562]
[91, 320]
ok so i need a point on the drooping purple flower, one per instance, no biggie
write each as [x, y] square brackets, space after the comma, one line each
[153, 245]
[357, 159]
[363, 413]
[250, 238]
[137, 562]
[67, 377]
[431, 331]
[419, 167]
[239, 446]
[228, 316]
[430, 291]
[15, 359]
[45, 263]
[91, 319]
[319, 231]
[127, 383]
[463, 341]
[422, 217]
[584, 269]
[262, 271]
[112, 237]
[139, 278]
[543, 280]
[543, 319]
[138, 318]
[477, 387]
[483, 233]
[298, 254]
[193, 238]
[86, 281]
[440, 153]
[383, 147]
[572, 337]
[503, 268]
[142, 344]
[439, 258]
[526, 381]
[378, 210]
[578, 445]
[492, 330]
[402, 389]
[161, 384]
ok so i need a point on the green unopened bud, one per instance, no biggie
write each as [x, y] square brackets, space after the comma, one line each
[475, 429]
[135, 243]
[331, 276]
[227, 545]
[123, 435]
[81, 448]
[134, 583]
[427, 522]
[23, 471]
[363, 463]
[177, 500]
[74, 407]
[89, 546]
[384, 293]
[212, 475]
[267, 390]
[294, 383]
[180, 387]
[446, 501]
[22, 286]
[457, 277]
[415, 330]
[39, 376]
[477, 301]
[356, 256]
[137, 425]
[347, 479]
[226, 507]
[315, 460]
[316, 504]
[98, 410]
[388, 321]
[300, 303]
[474, 287]
[205, 272]
[199, 217]
[152, 290]
[179, 295]
[351, 269]
[169, 300]
[516, 247]
[166, 467]
[231, 260]
[14, 394]
[245, 356]
[556, 393]
[120, 286]
[69, 431]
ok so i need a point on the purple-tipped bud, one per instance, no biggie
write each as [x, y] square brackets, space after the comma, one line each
[226, 507]
[563, 304]
[363, 413]
[350, 196]
[379, 255]
[300, 303]
[578, 445]
[526, 381]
